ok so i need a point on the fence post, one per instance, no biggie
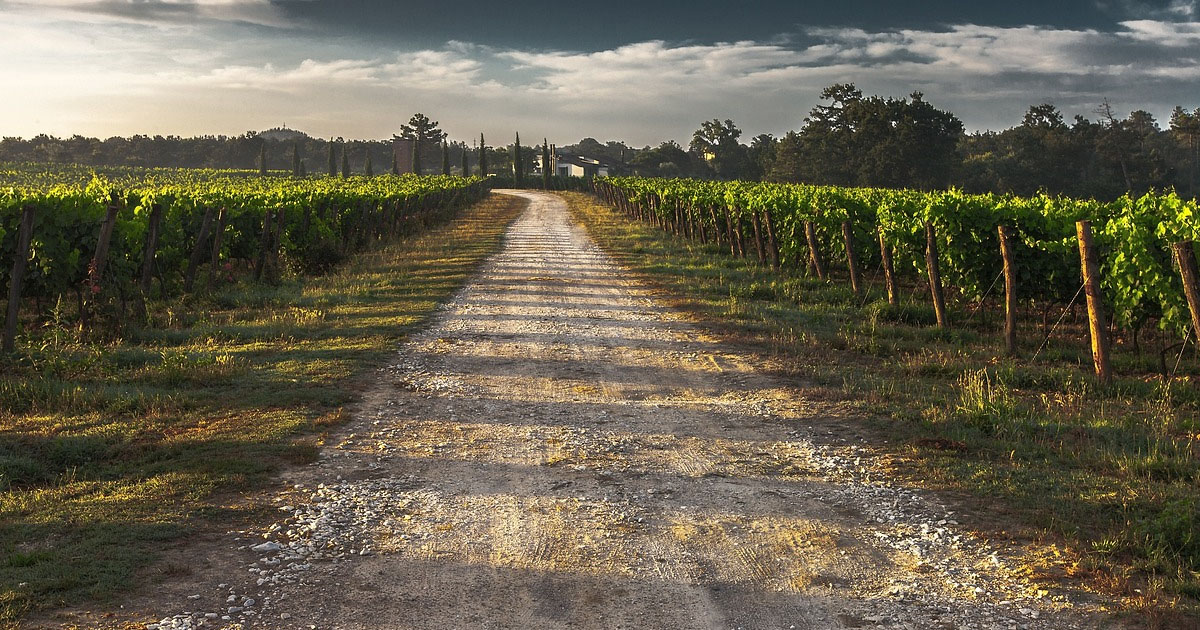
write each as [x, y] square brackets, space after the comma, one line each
[889, 272]
[215, 260]
[21, 258]
[189, 278]
[1185, 256]
[851, 257]
[1010, 291]
[1091, 285]
[814, 253]
[935, 274]
[150, 249]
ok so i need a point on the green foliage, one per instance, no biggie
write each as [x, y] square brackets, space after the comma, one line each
[324, 220]
[1140, 281]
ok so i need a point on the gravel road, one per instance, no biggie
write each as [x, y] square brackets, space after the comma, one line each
[558, 450]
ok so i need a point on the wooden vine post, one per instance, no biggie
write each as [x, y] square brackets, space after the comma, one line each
[851, 257]
[215, 259]
[772, 244]
[151, 248]
[1185, 256]
[264, 244]
[100, 258]
[889, 272]
[935, 274]
[1091, 287]
[16, 279]
[814, 253]
[189, 277]
[1010, 291]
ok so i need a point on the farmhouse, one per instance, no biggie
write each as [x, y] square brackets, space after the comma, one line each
[567, 165]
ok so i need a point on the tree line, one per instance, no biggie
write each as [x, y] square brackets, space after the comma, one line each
[850, 139]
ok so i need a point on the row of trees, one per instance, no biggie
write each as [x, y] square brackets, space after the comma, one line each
[854, 140]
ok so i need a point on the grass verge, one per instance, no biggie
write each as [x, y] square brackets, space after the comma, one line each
[107, 451]
[1106, 479]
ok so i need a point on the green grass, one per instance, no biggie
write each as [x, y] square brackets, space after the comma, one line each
[1110, 473]
[108, 450]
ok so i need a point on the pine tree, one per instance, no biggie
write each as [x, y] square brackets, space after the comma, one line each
[546, 165]
[367, 167]
[518, 167]
[445, 158]
[262, 159]
[466, 168]
[345, 163]
[332, 160]
[416, 148]
[295, 159]
[482, 157]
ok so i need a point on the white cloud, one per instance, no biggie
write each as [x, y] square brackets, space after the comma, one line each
[125, 76]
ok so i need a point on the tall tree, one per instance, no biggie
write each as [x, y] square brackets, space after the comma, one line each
[717, 143]
[466, 168]
[1185, 127]
[332, 160]
[482, 157]
[345, 163]
[295, 159]
[518, 167]
[262, 158]
[546, 166]
[395, 162]
[367, 169]
[445, 158]
[421, 130]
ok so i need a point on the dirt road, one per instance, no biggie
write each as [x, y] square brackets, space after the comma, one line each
[558, 450]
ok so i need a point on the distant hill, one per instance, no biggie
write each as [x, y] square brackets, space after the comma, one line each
[282, 134]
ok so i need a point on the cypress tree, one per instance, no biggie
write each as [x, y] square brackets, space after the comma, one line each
[417, 156]
[262, 159]
[345, 163]
[367, 167]
[466, 168]
[295, 159]
[445, 158]
[546, 165]
[332, 160]
[482, 157]
[518, 167]
[395, 162]
[303, 169]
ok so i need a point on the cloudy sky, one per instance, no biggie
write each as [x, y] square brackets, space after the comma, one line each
[637, 71]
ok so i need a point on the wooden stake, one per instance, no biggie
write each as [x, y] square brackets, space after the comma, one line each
[1185, 256]
[758, 239]
[100, 258]
[772, 245]
[189, 277]
[150, 249]
[889, 272]
[1010, 291]
[851, 257]
[264, 244]
[935, 274]
[814, 253]
[215, 259]
[16, 279]
[1091, 287]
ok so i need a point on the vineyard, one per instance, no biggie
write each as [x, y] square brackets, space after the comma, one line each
[1027, 250]
[108, 242]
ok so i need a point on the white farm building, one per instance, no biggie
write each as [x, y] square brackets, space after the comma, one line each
[575, 166]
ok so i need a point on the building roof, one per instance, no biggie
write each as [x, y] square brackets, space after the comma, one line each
[581, 160]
